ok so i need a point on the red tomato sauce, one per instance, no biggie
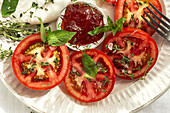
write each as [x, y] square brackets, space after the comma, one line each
[82, 18]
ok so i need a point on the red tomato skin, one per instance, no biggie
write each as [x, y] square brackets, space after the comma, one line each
[120, 6]
[22, 47]
[143, 34]
[111, 1]
[93, 100]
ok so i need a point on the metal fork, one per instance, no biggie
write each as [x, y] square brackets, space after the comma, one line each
[165, 29]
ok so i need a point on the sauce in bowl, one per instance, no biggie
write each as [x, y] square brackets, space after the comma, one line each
[82, 18]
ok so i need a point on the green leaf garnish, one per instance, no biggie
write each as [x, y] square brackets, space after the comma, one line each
[103, 1]
[119, 23]
[42, 30]
[8, 7]
[55, 38]
[59, 37]
[99, 29]
[111, 27]
[89, 66]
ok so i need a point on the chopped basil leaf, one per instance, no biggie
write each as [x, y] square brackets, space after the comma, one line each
[89, 66]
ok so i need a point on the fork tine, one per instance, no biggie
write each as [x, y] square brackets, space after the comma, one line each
[153, 27]
[162, 28]
[164, 23]
[167, 19]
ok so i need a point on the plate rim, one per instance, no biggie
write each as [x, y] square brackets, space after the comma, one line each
[134, 110]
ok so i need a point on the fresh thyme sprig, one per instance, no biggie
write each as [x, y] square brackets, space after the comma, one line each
[17, 31]
[5, 54]
[150, 62]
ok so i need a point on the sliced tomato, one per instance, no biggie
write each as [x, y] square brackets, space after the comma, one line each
[133, 52]
[82, 86]
[132, 11]
[111, 1]
[39, 66]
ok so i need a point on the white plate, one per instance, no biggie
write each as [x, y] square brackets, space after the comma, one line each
[127, 96]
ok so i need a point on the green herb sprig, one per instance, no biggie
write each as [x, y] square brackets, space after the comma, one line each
[111, 27]
[55, 38]
[5, 54]
[149, 64]
[17, 31]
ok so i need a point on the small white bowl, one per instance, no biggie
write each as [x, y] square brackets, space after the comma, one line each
[87, 46]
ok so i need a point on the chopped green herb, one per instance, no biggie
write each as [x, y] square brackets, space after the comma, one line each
[119, 75]
[73, 0]
[44, 64]
[115, 48]
[149, 63]
[77, 73]
[75, 39]
[106, 46]
[68, 56]
[98, 65]
[125, 59]
[103, 90]
[89, 79]
[131, 76]
[86, 4]
[34, 5]
[139, 68]
[106, 80]
[104, 70]
[132, 54]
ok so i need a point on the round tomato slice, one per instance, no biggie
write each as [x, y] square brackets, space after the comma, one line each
[132, 11]
[132, 51]
[84, 87]
[40, 66]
